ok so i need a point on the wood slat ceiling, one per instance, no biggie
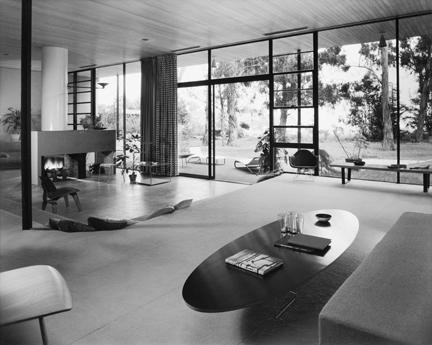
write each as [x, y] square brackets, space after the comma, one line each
[106, 32]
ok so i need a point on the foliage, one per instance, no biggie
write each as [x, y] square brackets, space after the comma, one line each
[365, 101]
[263, 146]
[12, 121]
[325, 160]
[359, 143]
[131, 154]
[88, 123]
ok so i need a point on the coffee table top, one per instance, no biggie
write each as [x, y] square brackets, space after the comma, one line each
[215, 286]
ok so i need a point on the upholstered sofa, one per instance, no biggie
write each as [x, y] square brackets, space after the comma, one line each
[388, 298]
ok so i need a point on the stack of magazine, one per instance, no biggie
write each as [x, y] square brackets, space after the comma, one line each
[254, 262]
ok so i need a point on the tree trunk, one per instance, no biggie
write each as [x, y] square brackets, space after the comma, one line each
[424, 99]
[388, 141]
[223, 116]
[232, 116]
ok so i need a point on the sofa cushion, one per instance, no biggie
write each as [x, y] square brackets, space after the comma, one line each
[107, 224]
[388, 299]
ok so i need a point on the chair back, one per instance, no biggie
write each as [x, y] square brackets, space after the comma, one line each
[47, 184]
[304, 158]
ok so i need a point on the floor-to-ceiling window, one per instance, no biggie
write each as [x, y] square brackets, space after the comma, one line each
[415, 61]
[358, 97]
[294, 107]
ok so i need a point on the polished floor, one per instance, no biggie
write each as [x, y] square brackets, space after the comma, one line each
[127, 285]
[113, 199]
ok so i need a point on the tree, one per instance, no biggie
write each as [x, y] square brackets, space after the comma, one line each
[375, 57]
[416, 55]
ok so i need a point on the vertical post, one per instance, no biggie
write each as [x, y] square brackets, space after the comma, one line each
[315, 97]
[397, 99]
[299, 97]
[271, 103]
[26, 40]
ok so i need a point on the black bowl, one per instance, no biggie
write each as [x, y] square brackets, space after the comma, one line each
[359, 163]
[323, 217]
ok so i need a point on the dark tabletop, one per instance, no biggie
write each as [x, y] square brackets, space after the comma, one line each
[215, 286]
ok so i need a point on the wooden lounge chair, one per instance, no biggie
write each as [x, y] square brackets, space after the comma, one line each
[52, 194]
[253, 165]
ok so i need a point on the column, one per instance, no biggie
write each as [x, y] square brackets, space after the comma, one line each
[54, 89]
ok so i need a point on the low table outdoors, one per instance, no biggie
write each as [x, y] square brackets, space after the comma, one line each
[215, 286]
[151, 180]
[350, 166]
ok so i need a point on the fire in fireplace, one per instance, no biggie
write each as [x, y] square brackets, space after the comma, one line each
[54, 162]
[54, 167]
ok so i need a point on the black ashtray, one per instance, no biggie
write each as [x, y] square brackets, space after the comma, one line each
[323, 217]
[359, 162]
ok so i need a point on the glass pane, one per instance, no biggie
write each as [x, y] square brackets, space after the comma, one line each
[293, 135]
[293, 53]
[109, 100]
[192, 67]
[293, 117]
[300, 98]
[240, 61]
[133, 97]
[193, 134]
[352, 89]
[416, 139]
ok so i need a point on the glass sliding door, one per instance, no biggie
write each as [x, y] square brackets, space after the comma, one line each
[194, 135]
[241, 116]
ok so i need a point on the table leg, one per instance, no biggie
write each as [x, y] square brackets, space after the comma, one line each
[343, 175]
[349, 174]
[426, 182]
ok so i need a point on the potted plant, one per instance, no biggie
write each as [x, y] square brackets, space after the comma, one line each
[127, 161]
[359, 141]
[88, 123]
[263, 146]
[12, 121]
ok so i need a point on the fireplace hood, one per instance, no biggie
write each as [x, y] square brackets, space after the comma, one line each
[50, 143]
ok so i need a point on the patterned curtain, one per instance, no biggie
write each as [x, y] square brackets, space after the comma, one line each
[159, 111]
[148, 107]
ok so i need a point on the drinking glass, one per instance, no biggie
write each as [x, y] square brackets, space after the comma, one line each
[282, 221]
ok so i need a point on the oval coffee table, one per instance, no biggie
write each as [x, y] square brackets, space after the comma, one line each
[215, 286]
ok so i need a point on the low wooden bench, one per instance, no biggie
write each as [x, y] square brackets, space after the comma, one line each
[350, 166]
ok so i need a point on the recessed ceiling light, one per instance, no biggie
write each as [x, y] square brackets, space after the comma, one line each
[285, 31]
[188, 48]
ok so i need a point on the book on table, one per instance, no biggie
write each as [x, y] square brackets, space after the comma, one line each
[303, 242]
[254, 262]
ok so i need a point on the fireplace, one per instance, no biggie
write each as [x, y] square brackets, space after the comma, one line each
[73, 146]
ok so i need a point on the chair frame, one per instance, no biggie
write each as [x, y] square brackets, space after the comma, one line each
[51, 194]
[254, 163]
[303, 168]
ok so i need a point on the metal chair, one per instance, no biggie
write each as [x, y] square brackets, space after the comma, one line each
[52, 194]
[32, 292]
[305, 162]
